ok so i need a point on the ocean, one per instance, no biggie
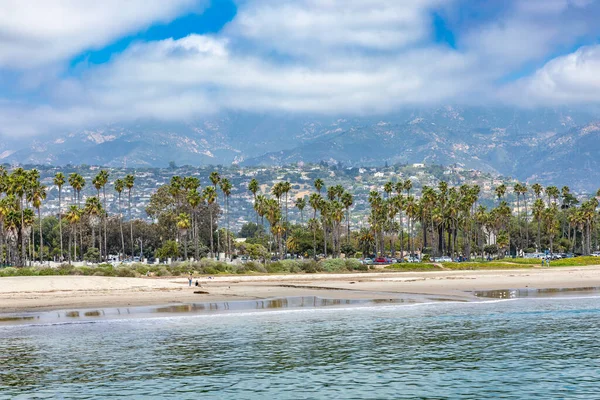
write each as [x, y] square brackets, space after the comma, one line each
[525, 348]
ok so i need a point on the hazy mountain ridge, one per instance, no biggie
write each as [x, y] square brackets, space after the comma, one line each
[549, 144]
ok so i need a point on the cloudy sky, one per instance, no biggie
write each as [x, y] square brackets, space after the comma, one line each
[73, 63]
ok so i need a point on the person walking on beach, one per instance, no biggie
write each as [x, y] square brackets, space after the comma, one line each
[190, 278]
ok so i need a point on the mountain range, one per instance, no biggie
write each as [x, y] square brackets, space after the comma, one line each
[558, 146]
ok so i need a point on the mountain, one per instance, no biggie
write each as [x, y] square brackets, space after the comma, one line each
[552, 145]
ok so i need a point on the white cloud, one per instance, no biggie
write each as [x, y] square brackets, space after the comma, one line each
[34, 33]
[312, 26]
[313, 56]
[570, 79]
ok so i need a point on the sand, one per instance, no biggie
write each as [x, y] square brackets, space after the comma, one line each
[38, 293]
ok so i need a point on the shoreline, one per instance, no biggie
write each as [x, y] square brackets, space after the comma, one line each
[47, 293]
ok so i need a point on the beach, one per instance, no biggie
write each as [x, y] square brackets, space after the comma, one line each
[43, 293]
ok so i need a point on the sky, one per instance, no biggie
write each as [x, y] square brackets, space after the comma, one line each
[71, 64]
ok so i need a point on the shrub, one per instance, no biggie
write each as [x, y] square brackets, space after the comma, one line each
[9, 271]
[126, 272]
[311, 267]
[46, 271]
[163, 272]
[333, 265]
[352, 264]
[64, 269]
[255, 266]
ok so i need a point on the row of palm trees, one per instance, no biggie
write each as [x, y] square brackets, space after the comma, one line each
[441, 220]
[452, 221]
[330, 208]
[189, 198]
[21, 192]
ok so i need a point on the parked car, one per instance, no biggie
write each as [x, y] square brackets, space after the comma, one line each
[381, 260]
[443, 259]
[366, 261]
[412, 259]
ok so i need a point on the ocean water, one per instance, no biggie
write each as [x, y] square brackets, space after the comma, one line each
[532, 348]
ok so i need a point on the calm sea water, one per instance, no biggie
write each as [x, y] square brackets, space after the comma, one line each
[524, 348]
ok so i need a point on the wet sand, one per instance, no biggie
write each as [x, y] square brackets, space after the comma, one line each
[40, 293]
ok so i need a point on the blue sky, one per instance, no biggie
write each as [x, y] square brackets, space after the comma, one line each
[67, 64]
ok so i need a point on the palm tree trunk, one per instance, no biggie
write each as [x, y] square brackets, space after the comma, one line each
[121, 227]
[60, 224]
[70, 241]
[130, 223]
[23, 255]
[324, 239]
[105, 217]
[41, 240]
[212, 248]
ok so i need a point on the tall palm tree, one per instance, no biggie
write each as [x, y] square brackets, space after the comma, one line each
[226, 188]
[517, 190]
[210, 195]
[73, 217]
[38, 194]
[538, 212]
[129, 181]
[93, 209]
[119, 187]
[194, 200]
[388, 187]
[315, 200]
[104, 175]
[407, 186]
[59, 181]
[300, 205]
[347, 201]
[500, 191]
[97, 182]
[183, 224]
[77, 182]
[318, 184]
[253, 187]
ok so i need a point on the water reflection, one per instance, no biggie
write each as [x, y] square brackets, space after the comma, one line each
[200, 308]
[530, 292]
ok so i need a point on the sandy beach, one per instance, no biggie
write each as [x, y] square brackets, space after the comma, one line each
[39, 293]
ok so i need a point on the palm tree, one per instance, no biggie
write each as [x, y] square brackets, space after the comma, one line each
[129, 182]
[388, 188]
[553, 194]
[500, 191]
[97, 182]
[93, 209]
[314, 226]
[119, 187]
[18, 187]
[183, 224]
[226, 188]
[38, 194]
[300, 205]
[194, 200]
[347, 201]
[103, 177]
[538, 211]
[59, 181]
[73, 216]
[407, 186]
[253, 187]
[210, 195]
[77, 182]
[318, 184]
[314, 200]
[517, 190]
